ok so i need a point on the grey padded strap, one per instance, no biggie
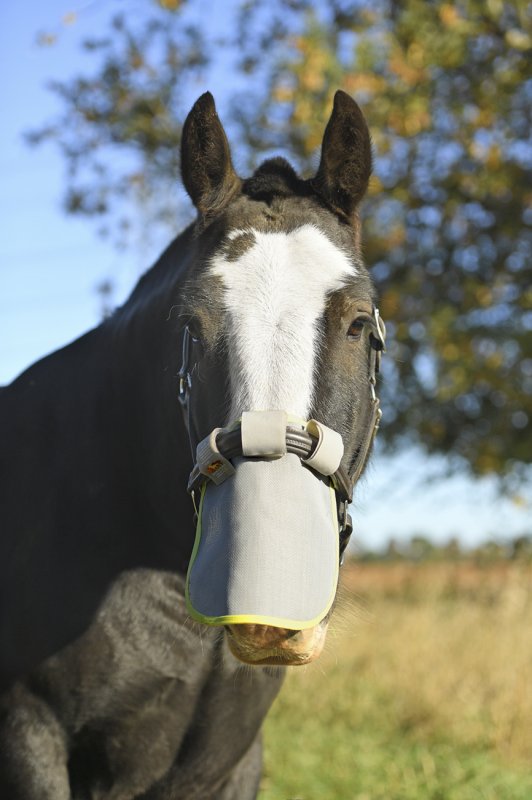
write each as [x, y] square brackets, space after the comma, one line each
[210, 461]
[263, 433]
[329, 448]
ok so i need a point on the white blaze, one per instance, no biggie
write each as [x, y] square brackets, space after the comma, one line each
[275, 295]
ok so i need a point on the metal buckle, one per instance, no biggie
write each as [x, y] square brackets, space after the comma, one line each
[381, 329]
[185, 385]
[345, 532]
[372, 384]
[185, 379]
[377, 341]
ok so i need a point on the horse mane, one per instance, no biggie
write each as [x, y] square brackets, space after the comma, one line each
[275, 178]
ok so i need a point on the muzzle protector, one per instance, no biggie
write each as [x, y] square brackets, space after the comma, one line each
[272, 521]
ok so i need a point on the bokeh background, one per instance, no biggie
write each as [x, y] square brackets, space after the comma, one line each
[424, 691]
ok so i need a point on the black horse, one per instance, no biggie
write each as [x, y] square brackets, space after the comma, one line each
[110, 688]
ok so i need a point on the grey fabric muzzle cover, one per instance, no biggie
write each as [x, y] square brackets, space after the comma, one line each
[266, 549]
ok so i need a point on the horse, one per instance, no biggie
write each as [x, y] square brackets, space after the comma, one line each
[241, 371]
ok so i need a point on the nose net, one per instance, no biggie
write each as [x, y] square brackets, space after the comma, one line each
[266, 548]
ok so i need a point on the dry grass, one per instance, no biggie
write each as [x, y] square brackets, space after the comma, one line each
[426, 682]
[453, 645]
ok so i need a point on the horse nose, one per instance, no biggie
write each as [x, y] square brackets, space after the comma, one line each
[261, 636]
[264, 644]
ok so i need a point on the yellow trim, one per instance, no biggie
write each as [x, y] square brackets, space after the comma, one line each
[256, 619]
[195, 549]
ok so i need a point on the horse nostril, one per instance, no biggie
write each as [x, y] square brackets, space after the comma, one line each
[289, 634]
[261, 635]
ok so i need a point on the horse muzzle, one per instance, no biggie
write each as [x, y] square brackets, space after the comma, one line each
[265, 644]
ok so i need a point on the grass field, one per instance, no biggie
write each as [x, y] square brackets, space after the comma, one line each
[424, 693]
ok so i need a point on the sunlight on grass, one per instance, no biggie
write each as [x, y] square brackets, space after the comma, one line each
[424, 691]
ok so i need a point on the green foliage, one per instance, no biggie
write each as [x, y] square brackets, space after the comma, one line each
[121, 130]
[447, 89]
[419, 549]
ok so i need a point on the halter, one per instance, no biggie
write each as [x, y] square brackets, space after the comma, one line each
[215, 453]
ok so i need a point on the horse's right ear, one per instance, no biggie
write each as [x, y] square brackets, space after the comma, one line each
[206, 166]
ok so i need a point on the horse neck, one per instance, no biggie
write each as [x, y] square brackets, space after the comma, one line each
[153, 447]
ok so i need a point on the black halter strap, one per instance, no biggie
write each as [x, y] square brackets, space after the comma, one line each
[302, 443]
[345, 482]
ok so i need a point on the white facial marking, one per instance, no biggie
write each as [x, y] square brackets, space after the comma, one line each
[275, 295]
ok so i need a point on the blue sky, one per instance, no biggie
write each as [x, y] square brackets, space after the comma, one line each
[50, 265]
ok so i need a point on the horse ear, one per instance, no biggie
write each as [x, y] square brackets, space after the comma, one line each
[206, 166]
[345, 166]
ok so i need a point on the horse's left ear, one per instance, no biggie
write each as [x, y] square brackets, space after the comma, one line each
[206, 167]
[345, 166]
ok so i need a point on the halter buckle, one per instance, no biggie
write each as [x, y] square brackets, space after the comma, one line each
[380, 327]
[185, 385]
[346, 529]
[372, 384]
[185, 379]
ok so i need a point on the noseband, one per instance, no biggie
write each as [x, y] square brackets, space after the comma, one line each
[215, 453]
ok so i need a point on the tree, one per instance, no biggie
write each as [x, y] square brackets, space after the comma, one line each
[447, 89]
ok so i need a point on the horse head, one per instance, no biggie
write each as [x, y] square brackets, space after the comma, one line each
[281, 347]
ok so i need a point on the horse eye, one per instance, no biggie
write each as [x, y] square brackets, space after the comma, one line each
[194, 329]
[355, 329]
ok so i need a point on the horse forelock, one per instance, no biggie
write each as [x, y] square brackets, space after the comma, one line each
[275, 178]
